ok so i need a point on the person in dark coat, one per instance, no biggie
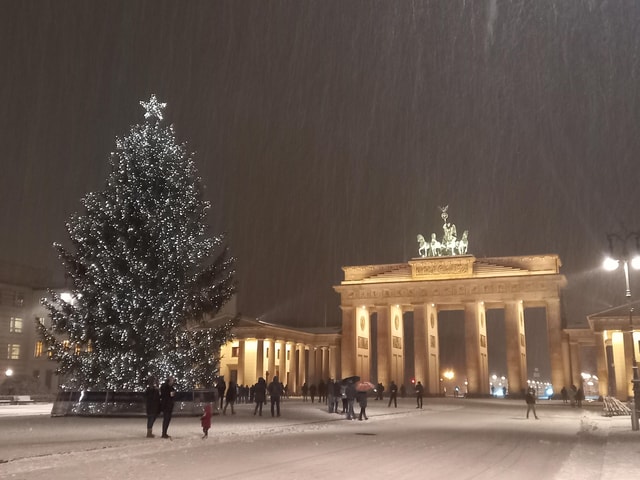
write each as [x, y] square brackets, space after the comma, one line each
[221, 386]
[579, 397]
[530, 399]
[312, 392]
[419, 394]
[275, 391]
[337, 395]
[230, 398]
[260, 395]
[361, 398]
[350, 392]
[167, 394]
[152, 397]
[393, 394]
[330, 401]
[205, 421]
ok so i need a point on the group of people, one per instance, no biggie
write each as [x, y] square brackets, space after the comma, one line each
[393, 393]
[160, 399]
[572, 395]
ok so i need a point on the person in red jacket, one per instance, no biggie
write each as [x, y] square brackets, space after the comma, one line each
[205, 420]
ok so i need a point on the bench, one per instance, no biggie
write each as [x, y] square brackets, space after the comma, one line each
[22, 399]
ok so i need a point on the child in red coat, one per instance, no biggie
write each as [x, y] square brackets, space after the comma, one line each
[205, 420]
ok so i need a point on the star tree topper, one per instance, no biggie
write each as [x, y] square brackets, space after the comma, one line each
[153, 108]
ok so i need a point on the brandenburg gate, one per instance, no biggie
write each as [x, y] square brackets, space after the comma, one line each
[429, 285]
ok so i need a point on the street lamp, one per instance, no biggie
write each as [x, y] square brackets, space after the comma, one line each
[611, 263]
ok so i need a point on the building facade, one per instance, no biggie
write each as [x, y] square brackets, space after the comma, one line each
[426, 286]
[23, 356]
[615, 335]
[296, 356]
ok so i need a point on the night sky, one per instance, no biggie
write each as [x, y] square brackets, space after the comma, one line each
[327, 133]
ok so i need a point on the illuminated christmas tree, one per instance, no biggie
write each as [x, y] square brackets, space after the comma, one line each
[145, 273]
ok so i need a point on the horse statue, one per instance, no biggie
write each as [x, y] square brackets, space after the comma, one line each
[463, 243]
[422, 246]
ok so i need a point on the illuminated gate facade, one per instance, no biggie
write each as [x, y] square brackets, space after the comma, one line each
[426, 286]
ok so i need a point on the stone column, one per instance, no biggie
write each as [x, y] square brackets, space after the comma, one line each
[326, 372]
[348, 343]
[383, 343]
[282, 361]
[566, 364]
[396, 320]
[601, 365]
[619, 362]
[313, 376]
[334, 368]
[293, 369]
[476, 348]
[554, 334]
[432, 383]
[259, 359]
[576, 370]
[302, 364]
[250, 359]
[271, 360]
[516, 347]
[241, 362]
[628, 361]
[420, 348]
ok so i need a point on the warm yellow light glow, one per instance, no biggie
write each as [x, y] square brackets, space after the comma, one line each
[610, 264]
[635, 262]
[448, 374]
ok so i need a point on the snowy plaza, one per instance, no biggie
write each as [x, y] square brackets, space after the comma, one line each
[448, 438]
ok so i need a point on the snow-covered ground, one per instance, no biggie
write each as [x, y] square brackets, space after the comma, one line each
[448, 438]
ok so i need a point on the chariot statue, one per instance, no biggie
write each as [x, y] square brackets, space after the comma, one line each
[450, 245]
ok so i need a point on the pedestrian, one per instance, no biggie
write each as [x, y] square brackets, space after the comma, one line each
[579, 397]
[530, 398]
[350, 392]
[564, 395]
[312, 392]
[305, 391]
[205, 421]
[419, 394]
[322, 391]
[221, 386]
[393, 394]
[275, 391]
[260, 395]
[573, 391]
[343, 396]
[380, 391]
[230, 397]
[329, 390]
[152, 396]
[361, 397]
[167, 395]
[337, 395]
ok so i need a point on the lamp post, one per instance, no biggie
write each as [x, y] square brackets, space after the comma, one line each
[612, 263]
